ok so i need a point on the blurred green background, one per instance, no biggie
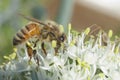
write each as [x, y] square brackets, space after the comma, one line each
[61, 11]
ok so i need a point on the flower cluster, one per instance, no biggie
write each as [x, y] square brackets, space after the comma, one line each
[82, 57]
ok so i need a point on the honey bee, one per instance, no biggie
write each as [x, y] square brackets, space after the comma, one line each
[44, 31]
[95, 30]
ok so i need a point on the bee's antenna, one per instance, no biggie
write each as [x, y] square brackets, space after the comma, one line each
[32, 19]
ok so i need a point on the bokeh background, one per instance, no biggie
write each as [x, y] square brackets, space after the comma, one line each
[80, 13]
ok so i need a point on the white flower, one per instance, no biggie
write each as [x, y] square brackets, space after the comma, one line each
[90, 58]
[81, 60]
[115, 75]
[72, 52]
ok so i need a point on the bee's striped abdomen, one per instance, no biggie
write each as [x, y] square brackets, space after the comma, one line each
[25, 33]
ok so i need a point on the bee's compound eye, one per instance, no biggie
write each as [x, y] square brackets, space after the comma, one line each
[61, 38]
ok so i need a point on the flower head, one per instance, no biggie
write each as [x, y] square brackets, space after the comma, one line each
[82, 57]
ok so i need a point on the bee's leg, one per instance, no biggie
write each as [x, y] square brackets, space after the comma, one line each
[29, 51]
[57, 48]
[36, 57]
[56, 51]
[64, 48]
[43, 48]
[32, 53]
[35, 44]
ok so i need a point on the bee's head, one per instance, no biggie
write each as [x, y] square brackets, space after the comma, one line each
[62, 37]
[55, 32]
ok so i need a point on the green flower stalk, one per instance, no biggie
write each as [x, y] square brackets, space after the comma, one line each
[82, 57]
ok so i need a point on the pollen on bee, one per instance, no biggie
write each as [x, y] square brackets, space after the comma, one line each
[28, 43]
[61, 28]
[54, 43]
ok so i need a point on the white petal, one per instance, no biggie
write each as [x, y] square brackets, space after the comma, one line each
[90, 58]
[115, 75]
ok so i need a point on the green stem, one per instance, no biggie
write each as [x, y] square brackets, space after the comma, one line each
[65, 12]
